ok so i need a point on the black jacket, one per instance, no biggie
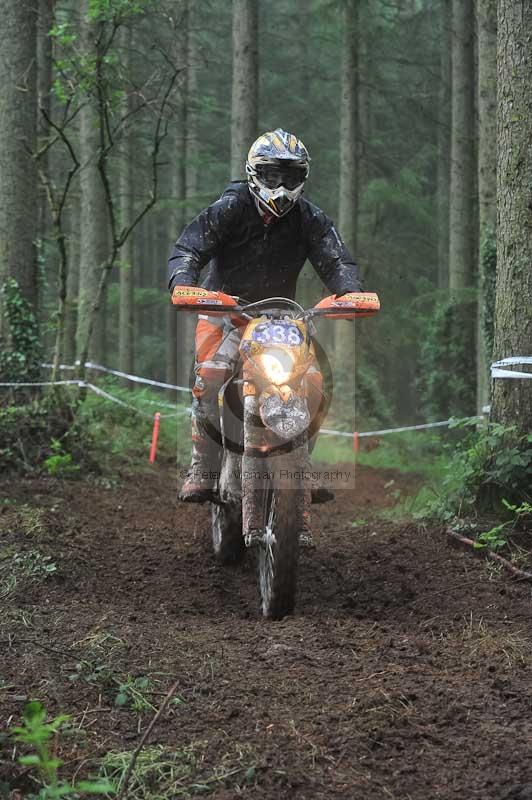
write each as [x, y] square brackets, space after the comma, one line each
[253, 260]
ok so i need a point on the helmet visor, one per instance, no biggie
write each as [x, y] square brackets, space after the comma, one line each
[272, 176]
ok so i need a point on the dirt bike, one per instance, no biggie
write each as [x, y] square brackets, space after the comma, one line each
[265, 427]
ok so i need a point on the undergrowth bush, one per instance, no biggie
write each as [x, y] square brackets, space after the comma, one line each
[493, 463]
[119, 435]
[63, 438]
[39, 737]
[20, 350]
[28, 431]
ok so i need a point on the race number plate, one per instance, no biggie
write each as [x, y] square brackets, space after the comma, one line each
[278, 332]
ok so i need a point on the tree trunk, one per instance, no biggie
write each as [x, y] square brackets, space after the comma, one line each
[512, 399]
[73, 250]
[44, 87]
[245, 83]
[93, 225]
[149, 318]
[344, 332]
[126, 321]
[487, 181]
[301, 28]
[18, 176]
[192, 183]
[462, 209]
[348, 185]
[175, 323]
[192, 90]
[461, 212]
[444, 143]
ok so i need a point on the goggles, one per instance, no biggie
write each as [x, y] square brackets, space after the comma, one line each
[273, 176]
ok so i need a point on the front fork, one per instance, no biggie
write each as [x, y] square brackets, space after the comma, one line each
[255, 483]
[263, 472]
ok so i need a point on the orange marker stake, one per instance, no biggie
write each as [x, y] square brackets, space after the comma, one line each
[355, 442]
[155, 437]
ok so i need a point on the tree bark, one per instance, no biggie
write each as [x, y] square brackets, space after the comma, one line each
[126, 320]
[73, 250]
[348, 185]
[461, 212]
[191, 197]
[18, 174]
[44, 88]
[192, 90]
[175, 324]
[245, 83]
[487, 174]
[444, 143]
[94, 222]
[344, 332]
[462, 209]
[512, 399]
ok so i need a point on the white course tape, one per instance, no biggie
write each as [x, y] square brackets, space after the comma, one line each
[107, 396]
[125, 375]
[46, 383]
[101, 393]
[329, 432]
[112, 399]
[497, 372]
[383, 432]
[177, 410]
[136, 378]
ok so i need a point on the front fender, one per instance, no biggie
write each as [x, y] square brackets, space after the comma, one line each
[284, 412]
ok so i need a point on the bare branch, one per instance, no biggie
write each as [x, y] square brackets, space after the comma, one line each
[61, 132]
[521, 574]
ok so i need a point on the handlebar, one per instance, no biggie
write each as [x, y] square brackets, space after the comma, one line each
[215, 303]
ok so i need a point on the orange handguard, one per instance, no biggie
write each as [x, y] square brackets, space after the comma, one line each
[349, 306]
[203, 301]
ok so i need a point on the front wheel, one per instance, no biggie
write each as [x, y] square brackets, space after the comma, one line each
[278, 556]
[278, 552]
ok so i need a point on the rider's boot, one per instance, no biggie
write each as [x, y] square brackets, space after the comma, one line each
[200, 484]
[320, 493]
[305, 534]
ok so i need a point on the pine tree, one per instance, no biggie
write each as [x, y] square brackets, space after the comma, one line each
[461, 244]
[512, 399]
[487, 184]
[94, 219]
[18, 177]
[344, 332]
[127, 253]
[444, 142]
[245, 83]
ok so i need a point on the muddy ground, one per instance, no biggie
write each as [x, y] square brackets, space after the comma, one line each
[405, 673]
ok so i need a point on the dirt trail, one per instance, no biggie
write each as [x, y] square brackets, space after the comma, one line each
[405, 673]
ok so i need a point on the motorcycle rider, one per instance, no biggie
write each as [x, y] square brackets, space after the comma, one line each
[256, 237]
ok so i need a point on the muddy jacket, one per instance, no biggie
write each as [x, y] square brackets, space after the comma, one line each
[253, 260]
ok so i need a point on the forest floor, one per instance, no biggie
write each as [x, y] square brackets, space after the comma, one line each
[406, 671]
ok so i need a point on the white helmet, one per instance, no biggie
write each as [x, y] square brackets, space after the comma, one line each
[277, 168]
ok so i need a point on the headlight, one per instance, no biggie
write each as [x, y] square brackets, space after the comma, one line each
[277, 365]
[287, 419]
